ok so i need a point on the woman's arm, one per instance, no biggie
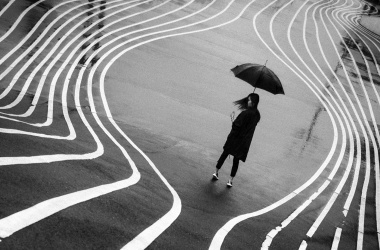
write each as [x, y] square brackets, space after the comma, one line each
[238, 123]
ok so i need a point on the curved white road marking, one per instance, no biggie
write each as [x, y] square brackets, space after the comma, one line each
[148, 235]
[329, 203]
[157, 39]
[356, 174]
[31, 32]
[377, 173]
[26, 217]
[19, 19]
[333, 197]
[147, 238]
[376, 155]
[367, 174]
[6, 7]
[46, 58]
[219, 237]
[274, 232]
[72, 134]
[368, 70]
[55, 157]
[337, 235]
[358, 149]
[54, 203]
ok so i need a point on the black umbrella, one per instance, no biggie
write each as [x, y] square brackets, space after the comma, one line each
[259, 76]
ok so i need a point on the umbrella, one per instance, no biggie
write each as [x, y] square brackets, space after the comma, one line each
[259, 76]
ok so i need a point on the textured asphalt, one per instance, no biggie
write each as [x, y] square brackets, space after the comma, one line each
[173, 97]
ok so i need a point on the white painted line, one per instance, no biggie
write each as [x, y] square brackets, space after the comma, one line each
[146, 235]
[286, 222]
[115, 123]
[322, 215]
[149, 41]
[218, 238]
[46, 58]
[31, 215]
[355, 179]
[359, 245]
[31, 32]
[64, 99]
[24, 218]
[6, 7]
[49, 119]
[376, 167]
[340, 186]
[351, 139]
[337, 235]
[19, 20]
[303, 245]
[49, 158]
[324, 212]
[363, 205]
[22, 132]
[367, 175]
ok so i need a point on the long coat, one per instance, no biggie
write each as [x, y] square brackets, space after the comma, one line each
[240, 137]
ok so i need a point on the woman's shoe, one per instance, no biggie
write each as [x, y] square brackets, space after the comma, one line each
[229, 183]
[215, 176]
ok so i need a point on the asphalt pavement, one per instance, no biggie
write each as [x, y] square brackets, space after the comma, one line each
[114, 113]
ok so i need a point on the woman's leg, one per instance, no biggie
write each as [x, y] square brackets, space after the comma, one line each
[234, 169]
[221, 160]
[219, 165]
[235, 166]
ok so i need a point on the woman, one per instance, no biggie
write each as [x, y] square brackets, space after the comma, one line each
[240, 137]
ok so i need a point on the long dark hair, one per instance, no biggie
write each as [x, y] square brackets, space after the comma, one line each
[243, 103]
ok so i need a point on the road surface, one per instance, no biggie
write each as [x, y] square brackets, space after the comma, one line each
[114, 113]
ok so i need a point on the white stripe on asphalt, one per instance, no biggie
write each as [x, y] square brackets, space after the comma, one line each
[376, 156]
[53, 203]
[274, 232]
[146, 237]
[220, 235]
[337, 235]
[5, 8]
[6, 34]
[367, 175]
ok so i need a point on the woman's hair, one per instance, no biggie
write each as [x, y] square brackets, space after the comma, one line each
[243, 103]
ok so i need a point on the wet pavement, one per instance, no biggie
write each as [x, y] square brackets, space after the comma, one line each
[114, 113]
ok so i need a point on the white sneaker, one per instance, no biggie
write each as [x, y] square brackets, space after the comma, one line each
[229, 183]
[215, 176]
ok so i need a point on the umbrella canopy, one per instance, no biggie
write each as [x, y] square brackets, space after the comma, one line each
[259, 76]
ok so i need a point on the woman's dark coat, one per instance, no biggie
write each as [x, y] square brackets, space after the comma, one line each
[240, 137]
